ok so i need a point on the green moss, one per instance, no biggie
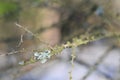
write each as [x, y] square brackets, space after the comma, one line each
[56, 50]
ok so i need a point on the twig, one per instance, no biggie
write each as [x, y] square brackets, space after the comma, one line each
[31, 33]
[13, 52]
[94, 67]
[72, 63]
[21, 41]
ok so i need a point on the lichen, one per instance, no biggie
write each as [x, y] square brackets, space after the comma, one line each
[42, 56]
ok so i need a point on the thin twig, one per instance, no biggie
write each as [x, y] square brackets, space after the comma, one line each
[73, 56]
[31, 33]
[94, 67]
[21, 41]
[13, 52]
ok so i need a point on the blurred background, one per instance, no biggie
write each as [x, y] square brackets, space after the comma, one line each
[55, 22]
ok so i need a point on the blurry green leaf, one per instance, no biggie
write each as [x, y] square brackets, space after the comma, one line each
[7, 7]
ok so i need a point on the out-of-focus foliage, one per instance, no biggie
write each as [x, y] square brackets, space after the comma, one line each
[7, 8]
[39, 1]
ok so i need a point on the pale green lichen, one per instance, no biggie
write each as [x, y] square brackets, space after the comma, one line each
[42, 56]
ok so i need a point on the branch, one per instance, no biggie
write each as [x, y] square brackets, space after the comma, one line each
[94, 67]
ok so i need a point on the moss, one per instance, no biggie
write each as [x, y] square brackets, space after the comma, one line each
[56, 50]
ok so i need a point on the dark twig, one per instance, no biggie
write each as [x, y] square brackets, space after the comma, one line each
[94, 67]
